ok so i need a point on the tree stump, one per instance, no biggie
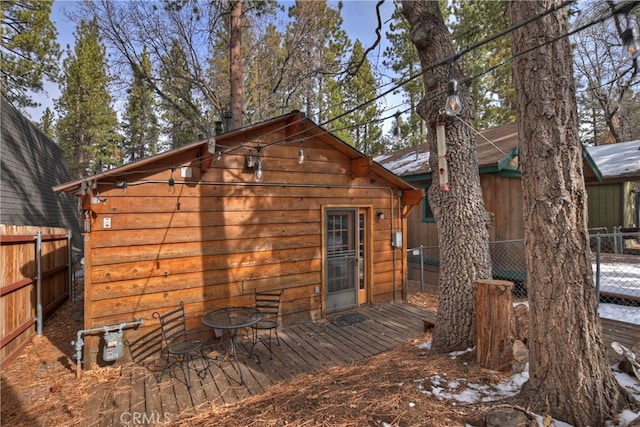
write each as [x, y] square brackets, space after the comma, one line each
[495, 324]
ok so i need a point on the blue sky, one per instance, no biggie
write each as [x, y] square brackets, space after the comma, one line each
[359, 21]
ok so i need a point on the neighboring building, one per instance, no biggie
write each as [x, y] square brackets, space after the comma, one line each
[499, 179]
[613, 185]
[612, 176]
[211, 222]
[35, 229]
[30, 164]
[611, 173]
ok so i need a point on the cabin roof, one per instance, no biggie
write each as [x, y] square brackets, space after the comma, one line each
[619, 161]
[497, 149]
[296, 124]
[30, 164]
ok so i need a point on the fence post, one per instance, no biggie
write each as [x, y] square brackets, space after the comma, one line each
[39, 282]
[598, 242]
[422, 268]
[71, 289]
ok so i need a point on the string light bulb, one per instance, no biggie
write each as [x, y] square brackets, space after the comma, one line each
[258, 169]
[453, 105]
[172, 183]
[631, 43]
[300, 154]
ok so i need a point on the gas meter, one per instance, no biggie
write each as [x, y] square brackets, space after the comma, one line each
[112, 346]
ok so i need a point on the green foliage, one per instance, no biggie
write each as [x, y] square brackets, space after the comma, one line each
[47, 123]
[402, 57]
[87, 128]
[29, 49]
[180, 109]
[316, 46]
[362, 125]
[141, 123]
[492, 93]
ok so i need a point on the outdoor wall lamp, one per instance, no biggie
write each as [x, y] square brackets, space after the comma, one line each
[453, 105]
[631, 42]
[380, 215]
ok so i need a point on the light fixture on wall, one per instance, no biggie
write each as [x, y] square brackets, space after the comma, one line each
[255, 163]
[380, 215]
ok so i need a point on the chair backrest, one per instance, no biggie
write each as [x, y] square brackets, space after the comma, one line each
[268, 302]
[172, 324]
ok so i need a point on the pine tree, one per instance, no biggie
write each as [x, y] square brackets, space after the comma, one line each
[570, 377]
[316, 46]
[181, 115]
[402, 57]
[87, 128]
[47, 123]
[141, 129]
[29, 49]
[492, 92]
[461, 218]
[364, 126]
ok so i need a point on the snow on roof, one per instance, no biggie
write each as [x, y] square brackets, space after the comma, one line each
[615, 160]
[409, 163]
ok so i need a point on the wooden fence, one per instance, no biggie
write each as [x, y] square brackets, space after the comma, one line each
[36, 277]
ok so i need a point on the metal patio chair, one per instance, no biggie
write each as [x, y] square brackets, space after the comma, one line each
[180, 351]
[268, 302]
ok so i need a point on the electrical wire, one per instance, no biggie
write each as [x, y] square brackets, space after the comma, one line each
[433, 95]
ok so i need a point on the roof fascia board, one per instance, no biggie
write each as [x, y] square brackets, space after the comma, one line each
[587, 157]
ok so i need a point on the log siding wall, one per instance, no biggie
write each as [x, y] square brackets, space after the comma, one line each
[220, 236]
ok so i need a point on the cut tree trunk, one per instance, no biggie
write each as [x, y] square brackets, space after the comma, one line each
[495, 325]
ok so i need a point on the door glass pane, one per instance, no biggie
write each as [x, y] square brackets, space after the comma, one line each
[340, 252]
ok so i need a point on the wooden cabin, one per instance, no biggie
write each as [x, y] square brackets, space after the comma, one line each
[282, 204]
[612, 178]
[499, 180]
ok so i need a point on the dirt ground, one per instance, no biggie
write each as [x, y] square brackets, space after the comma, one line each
[39, 388]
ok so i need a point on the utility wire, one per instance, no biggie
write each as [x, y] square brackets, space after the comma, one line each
[448, 60]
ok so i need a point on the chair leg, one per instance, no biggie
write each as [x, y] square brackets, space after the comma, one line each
[270, 352]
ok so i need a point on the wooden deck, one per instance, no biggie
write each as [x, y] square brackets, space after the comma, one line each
[304, 348]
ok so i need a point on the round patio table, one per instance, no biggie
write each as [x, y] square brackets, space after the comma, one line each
[232, 319]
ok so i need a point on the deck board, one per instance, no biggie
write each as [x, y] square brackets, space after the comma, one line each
[304, 348]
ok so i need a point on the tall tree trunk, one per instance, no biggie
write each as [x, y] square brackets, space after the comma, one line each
[569, 375]
[235, 64]
[462, 221]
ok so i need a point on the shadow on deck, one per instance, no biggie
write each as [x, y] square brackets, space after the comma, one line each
[137, 397]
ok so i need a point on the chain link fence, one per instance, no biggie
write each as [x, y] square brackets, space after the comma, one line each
[616, 266]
